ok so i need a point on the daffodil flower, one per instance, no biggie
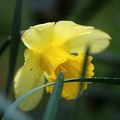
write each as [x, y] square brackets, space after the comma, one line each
[49, 48]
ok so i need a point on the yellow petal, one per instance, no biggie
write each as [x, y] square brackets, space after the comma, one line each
[27, 78]
[96, 39]
[72, 68]
[39, 36]
[66, 30]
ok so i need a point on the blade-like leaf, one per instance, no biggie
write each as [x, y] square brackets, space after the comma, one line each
[77, 101]
[13, 108]
[54, 100]
[4, 46]
[5, 103]
[83, 72]
[15, 38]
[105, 80]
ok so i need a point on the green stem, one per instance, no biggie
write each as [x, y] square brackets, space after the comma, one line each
[77, 101]
[15, 38]
[106, 80]
[4, 46]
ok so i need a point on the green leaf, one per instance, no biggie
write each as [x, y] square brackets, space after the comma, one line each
[4, 46]
[11, 111]
[54, 100]
[103, 80]
[77, 101]
[18, 115]
[15, 38]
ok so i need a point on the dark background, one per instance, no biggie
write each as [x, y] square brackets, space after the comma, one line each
[100, 101]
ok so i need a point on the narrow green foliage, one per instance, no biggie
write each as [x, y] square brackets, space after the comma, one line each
[84, 71]
[54, 100]
[13, 108]
[102, 80]
[85, 62]
[11, 111]
[77, 101]
[14, 115]
[15, 38]
[4, 46]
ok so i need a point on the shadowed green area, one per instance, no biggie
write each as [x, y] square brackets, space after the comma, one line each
[100, 101]
[14, 45]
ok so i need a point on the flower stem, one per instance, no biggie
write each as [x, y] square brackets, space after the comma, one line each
[5, 45]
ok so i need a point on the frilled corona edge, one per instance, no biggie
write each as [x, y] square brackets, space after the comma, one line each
[49, 48]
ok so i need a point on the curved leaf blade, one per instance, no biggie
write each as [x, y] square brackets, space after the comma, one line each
[54, 100]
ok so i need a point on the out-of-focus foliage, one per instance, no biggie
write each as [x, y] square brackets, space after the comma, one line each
[99, 101]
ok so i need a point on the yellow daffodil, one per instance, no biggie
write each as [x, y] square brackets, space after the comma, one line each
[49, 48]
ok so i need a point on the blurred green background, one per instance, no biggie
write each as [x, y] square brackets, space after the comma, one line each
[100, 101]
